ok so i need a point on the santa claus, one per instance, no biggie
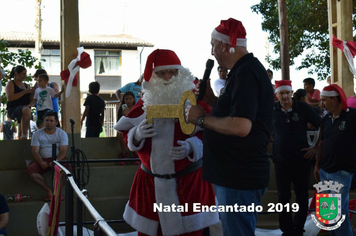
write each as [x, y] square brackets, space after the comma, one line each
[168, 187]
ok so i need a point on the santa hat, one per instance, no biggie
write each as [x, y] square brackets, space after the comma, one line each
[232, 32]
[161, 59]
[334, 90]
[282, 85]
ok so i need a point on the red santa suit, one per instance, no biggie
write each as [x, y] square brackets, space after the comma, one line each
[147, 189]
[160, 181]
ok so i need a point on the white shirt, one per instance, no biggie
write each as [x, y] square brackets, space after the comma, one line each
[44, 98]
[217, 86]
[43, 140]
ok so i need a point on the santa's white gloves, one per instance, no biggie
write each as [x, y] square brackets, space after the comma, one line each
[186, 147]
[143, 131]
[180, 152]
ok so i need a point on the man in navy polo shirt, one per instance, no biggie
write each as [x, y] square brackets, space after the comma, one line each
[336, 159]
[292, 165]
[238, 130]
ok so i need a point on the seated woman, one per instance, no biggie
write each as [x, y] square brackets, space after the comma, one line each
[18, 95]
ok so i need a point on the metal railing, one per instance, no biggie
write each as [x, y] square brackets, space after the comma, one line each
[110, 119]
[100, 224]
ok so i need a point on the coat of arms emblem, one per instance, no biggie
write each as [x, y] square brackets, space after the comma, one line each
[327, 214]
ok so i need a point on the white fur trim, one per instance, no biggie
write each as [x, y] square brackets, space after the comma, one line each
[197, 146]
[200, 221]
[166, 193]
[283, 87]
[167, 67]
[140, 223]
[160, 161]
[172, 223]
[332, 93]
[130, 141]
[190, 223]
[226, 39]
[126, 123]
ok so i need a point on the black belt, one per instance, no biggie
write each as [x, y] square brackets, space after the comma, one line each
[189, 169]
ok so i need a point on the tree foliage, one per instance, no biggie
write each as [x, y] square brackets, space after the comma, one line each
[12, 59]
[308, 33]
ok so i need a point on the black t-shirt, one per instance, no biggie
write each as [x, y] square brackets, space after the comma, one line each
[339, 142]
[96, 105]
[241, 162]
[290, 131]
[24, 100]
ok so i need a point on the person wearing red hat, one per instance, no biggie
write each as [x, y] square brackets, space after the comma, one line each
[171, 172]
[238, 130]
[336, 159]
[291, 164]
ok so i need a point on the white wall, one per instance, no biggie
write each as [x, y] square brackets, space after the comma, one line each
[87, 75]
[130, 66]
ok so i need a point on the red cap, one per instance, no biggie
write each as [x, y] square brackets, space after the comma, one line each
[232, 32]
[282, 85]
[334, 90]
[161, 59]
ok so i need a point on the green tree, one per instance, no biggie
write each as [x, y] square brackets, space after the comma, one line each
[12, 59]
[308, 33]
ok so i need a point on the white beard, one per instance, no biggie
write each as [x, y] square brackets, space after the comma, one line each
[160, 92]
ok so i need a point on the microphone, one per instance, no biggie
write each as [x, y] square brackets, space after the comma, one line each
[72, 121]
[208, 67]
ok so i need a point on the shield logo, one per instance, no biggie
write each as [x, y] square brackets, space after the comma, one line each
[342, 125]
[328, 208]
[295, 117]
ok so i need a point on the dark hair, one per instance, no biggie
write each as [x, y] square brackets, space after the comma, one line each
[94, 87]
[43, 76]
[139, 81]
[268, 70]
[338, 98]
[51, 113]
[17, 69]
[221, 68]
[309, 81]
[39, 72]
[128, 93]
[299, 94]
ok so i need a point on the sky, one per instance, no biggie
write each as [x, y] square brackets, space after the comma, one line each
[183, 26]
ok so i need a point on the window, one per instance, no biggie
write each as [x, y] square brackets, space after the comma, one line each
[107, 63]
[53, 61]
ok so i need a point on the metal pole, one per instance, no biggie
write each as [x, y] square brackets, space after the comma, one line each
[54, 158]
[69, 208]
[79, 202]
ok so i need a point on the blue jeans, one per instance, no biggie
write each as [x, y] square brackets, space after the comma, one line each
[342, 177]
[238, 223]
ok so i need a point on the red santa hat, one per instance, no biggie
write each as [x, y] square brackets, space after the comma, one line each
[161, 59]
[334, 90]
[232, 32]
[282, 85]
